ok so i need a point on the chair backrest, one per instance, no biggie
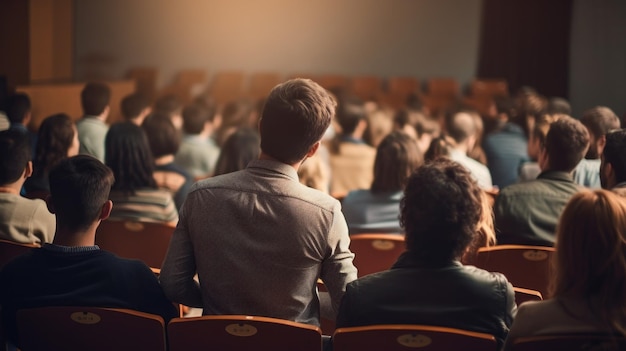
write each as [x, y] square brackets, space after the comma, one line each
[141, 240]
[524, 266]
[227, 86]
[261, 83]
[375, 252]
[523, 295]
[89, 328]
[572, 342]
[444, 87]
[10, 250]
[489, 88]
[366, 87]
[241, 333]
[410, 337]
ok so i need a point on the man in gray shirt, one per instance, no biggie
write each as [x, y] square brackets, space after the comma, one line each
[257, 238]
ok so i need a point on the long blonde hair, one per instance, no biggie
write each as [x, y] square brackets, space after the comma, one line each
[590, 258]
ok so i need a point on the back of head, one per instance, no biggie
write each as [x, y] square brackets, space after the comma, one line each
[195, 116]
[591, 254]
[132, 105]
[54, 139]
[439, 147]
[440, 211]
[128, 155]
[295, 117]
[461, 126]
[15, 153]
[557, 105]
[95, 98]
[163, 137]
[349, 113]
[79, 187]
[566, 144]
[17, 107]
[615, 153]
[397, 156]
[600, 120]
[168, 105]
[239, 149]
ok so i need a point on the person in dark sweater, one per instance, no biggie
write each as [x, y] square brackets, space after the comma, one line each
[73, 271]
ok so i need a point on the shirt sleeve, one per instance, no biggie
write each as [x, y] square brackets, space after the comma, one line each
[338, 269]
[43, 224]
[179, 266]
[153, 300]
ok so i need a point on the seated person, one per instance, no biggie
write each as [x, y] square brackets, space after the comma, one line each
[73, 271]
[135, 108]
[92, 127]
[240, 148]
[164, 141]
[588, 291]
[198, 150]
[135, 192]
[57, 140]
[21, 220]
[376, 210]
[441, 213]
[527, 213]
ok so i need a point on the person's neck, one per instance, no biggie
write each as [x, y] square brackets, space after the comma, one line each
[75, 238]
[164, 160]
[265, 156]
[13, 188]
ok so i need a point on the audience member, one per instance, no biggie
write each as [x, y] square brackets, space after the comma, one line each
[527, 213]
[73, 271]
[135, 108]
[379, 125]
[351, 159]
[477, 152]
[441, 213]
[506, 148]
[92, 128]
[21, 220]
[164, 141]
[439, 147]
[135, 192]
[558, 105]
[530, 170]
[171, 106]
[275, 237]
[613, 162]
[241, 147]
[198, 150]
[235, 115]
[18, 111]
[590, 266]
[417, 126]
[599, 121]
[315, 173]
[461, 127]
[57, 140]
[377, 209]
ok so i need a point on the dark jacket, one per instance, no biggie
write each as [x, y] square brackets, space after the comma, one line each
[447, 295]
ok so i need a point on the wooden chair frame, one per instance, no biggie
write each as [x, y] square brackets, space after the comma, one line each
[10, 250]
[375, 252]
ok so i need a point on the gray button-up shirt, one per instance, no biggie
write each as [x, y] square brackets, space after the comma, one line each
[258, 240]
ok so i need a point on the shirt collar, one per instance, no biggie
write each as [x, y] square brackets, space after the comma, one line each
[556, 175]
[275, 166]
[69, 249]
[409, 260]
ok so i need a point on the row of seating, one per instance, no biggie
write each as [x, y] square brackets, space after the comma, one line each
[93, 328]
[230, 85]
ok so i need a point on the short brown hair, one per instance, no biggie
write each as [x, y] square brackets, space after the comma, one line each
[295, 117]
[397, 156]
[566, 144]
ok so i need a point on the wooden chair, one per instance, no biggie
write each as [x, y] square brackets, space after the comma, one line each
[10, 250]
[524, 266]
[398, 91]
[489, 88]
[241, 333]
[227, 86]
[141, 240]
[260, 84]
[572, 342]
[146, 80]
[411, 337]
[367, 88]
[332, 81]
[443, 87]
[89, 328]
[375, 252]
[523, 295]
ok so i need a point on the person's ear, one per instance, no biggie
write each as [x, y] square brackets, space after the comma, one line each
[313, 149]
[105, 212]
[49, 204]
[28, 170]
[601, 142]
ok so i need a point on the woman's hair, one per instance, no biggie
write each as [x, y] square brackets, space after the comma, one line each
[239, 149]
[128, 155]
[439, 147]
[397, 156]
[54, 139]
[590, 258]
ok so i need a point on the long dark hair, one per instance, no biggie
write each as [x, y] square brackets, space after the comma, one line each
[54, 139]
[127, 153]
